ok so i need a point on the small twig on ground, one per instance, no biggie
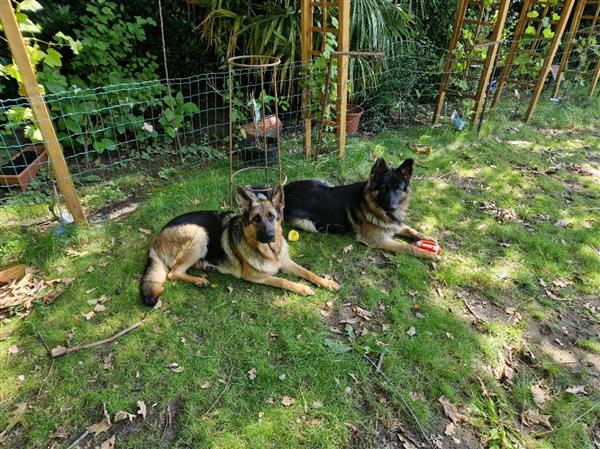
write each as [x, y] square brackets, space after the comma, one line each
[470, 309]
[44, 343]
[404, 403]
[380, 362]
[79, 440]
[216, 401]
[37, 398]
[167, 422]
[61, 350]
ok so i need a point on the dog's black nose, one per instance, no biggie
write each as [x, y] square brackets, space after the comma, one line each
[266, 237]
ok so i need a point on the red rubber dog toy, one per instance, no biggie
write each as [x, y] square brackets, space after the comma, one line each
[429, 246]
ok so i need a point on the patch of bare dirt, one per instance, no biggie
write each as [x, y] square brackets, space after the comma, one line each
[557, 336]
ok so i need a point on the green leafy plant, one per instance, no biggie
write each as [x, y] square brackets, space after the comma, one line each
[172, 118]
[46, 60]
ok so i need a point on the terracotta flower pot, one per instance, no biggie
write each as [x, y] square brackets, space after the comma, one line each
[23, 167]
[265, 126]
[353, 115]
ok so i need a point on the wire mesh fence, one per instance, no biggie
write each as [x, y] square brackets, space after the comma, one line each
[116, 138]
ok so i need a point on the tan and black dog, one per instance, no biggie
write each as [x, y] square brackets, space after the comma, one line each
[373, 210]
[250, 246]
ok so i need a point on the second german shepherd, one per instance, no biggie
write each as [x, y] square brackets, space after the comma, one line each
[249, 246]
[374, 210]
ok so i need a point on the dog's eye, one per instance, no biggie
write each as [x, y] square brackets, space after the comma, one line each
[256, 219]
[271, 217]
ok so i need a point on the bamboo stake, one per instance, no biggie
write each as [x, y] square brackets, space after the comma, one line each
[40, 111]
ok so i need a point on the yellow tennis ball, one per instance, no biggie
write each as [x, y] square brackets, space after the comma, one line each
[293, 236]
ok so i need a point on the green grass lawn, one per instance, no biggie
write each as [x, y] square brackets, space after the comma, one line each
[514, 304]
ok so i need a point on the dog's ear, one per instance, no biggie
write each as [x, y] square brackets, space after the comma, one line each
[277, 197]
[379, 168]
[244, 199]
[406, 169]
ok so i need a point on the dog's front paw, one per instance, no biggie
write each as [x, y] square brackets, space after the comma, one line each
[329, 284]
[424, 254]
[201, 282]
[304, 290]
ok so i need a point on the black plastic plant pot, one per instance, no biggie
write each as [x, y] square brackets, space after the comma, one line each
[252, 151]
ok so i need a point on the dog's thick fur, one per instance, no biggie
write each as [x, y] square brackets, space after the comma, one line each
[249, 246]
[373, 210]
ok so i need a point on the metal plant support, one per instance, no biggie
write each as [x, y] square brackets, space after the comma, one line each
[251, 66]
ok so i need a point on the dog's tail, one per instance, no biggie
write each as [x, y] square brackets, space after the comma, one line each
[153, 279]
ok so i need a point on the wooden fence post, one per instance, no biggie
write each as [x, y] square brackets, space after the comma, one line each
[40, 111]
[306, 19]
[458, 22]
[342, 86]
[539, 84]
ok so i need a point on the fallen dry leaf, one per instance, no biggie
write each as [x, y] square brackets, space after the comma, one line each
[75, 253]
[13, 349]
[122, 415]
[316, 404]
[101, 426]
[252, 374]
[145, 231]
[17, 417]
[411, 332]
[532, 417]
[88, 316]
[347, 249]
[61, 432]
[451, 411]
[450, 429]
[282, 377]
[107, 362]
[108, 444]
[505, 370]
[364, 314]
[141, 409]
[287, 401]
[579, 389]
[540, 394]
[58, 350]
[99, 308]
[205, 385]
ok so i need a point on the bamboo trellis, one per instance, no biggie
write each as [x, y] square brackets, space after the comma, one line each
[584, 23]
[529, 39]
[478, 25]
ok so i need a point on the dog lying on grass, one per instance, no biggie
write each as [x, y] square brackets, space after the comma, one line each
[250, 246]
[373, 210]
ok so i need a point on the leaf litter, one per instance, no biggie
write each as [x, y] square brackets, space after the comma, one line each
[17, 297]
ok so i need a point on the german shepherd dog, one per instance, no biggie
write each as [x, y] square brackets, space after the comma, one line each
[248, 246]
[373, 210]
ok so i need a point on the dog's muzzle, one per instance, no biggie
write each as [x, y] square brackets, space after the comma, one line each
[266, 237]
